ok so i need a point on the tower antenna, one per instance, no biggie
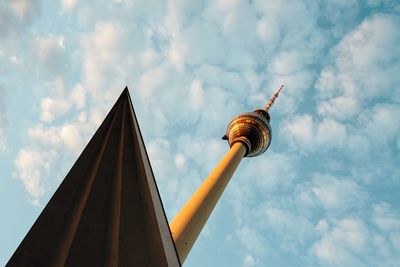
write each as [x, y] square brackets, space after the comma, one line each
[273, 98]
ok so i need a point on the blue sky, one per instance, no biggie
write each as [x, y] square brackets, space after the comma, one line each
[326, 193]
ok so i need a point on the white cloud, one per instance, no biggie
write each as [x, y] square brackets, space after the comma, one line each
[330, 133]
[342, 107]
[384, 217]
[382, 124]
[177, 54]
[353, 242]
[49, 135]
[149, 57]
[196, 94]
[69, 4]
[25, 10]
[288, 62]
[52, 108]
[299, 132]
[304, 133]
[50, 51]
[61, 101]
[268, 30]
[78, 96]
[360, 88]
[366, 61]
[374, 133]
[151, 81]
[368, 44]
[106, 54]
[343, 244]
[179, 13]
[252, 241]
[180, 161]
[31, 166]
[326, 83]
[294, 231]
[336, 194]
[35, 163]
[385, 220]
[248, 261]
[68, 135]
[278, 173]
[322, 226]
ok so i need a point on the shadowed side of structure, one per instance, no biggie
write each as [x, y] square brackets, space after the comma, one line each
[107, 211]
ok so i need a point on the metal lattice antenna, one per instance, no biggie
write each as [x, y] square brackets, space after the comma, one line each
[273, 98]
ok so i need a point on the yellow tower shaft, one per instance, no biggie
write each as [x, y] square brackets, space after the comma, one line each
[188, 223]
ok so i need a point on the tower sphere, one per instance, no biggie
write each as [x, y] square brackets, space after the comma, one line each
[252, 129]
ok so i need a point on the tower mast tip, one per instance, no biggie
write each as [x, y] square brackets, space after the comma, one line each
[273, 98]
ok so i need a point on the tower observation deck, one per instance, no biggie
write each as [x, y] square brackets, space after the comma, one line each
[249, 135]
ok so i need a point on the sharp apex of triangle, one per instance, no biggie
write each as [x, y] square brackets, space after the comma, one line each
[124, 94]
[107, 211]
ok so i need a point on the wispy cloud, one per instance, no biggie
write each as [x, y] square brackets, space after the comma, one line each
[343, 244]
[32, 166]
[25, 10]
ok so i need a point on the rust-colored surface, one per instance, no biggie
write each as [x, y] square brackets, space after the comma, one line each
[107, 211]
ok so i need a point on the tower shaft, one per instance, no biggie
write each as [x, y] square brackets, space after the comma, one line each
[188, 223]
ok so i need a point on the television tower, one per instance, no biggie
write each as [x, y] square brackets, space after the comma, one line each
[248, 135]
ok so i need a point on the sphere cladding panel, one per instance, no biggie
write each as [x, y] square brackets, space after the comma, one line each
[253, 130]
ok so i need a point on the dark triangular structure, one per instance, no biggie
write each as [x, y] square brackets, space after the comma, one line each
[107, 211]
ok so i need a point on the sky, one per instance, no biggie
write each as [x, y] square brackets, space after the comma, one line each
[326, 193]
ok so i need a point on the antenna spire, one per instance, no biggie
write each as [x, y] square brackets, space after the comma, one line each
[273, 98]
